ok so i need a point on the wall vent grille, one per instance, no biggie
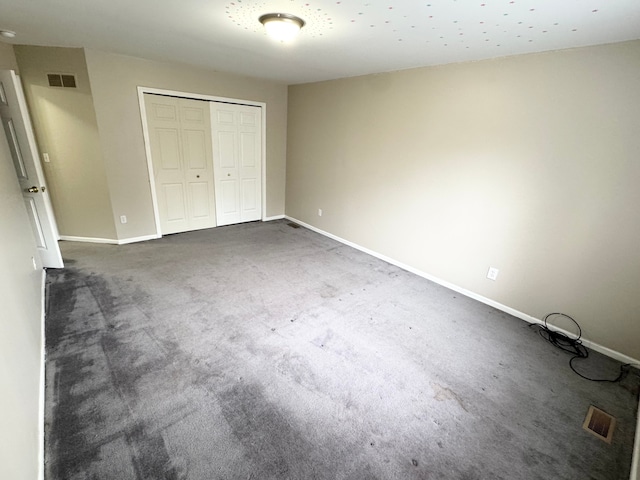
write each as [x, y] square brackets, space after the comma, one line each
[61, 80]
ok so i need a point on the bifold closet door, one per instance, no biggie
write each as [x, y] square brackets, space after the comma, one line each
[237, 162]
[180, 140]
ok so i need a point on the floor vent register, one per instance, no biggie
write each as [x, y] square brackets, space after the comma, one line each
[599, 423]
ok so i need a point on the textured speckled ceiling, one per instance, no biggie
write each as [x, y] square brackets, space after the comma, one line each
[340, 38]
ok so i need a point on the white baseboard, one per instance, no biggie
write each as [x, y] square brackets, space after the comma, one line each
[109, 241]
[511, 311]
[270, 219]
[144, 238]
[70, 238]
[41, 392]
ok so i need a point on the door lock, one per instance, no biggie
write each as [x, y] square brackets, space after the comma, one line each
[33, 189]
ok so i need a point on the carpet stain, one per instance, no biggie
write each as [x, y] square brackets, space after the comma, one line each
[328, 291]
[444, 393]
[323, 340]
[297, 368]
[150, 457]
[66, 434]
[62, 291]
[102, 363]
[271, 440]
[102, 293]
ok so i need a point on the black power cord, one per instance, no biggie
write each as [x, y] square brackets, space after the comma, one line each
[574, 346]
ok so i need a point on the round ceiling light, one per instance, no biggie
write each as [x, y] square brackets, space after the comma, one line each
[7, 33]
[283, 27]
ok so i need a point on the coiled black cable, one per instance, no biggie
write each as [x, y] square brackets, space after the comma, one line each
[575, 347]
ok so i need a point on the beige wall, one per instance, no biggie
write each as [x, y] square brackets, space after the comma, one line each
[528, 164]
[65, 124]
[7, 57]
[114, 82]
[21, 291]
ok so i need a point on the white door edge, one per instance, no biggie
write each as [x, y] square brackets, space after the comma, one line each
[196, 96]
[34, 147]
[147, 151]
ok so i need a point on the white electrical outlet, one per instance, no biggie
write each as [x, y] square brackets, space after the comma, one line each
[492, 274]
[45, 157]
[319, 212]
[123, 219]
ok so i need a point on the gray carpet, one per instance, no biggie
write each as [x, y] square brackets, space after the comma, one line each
[260, 351]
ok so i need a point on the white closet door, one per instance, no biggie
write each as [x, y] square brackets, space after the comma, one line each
[180, 138]
[237, 162]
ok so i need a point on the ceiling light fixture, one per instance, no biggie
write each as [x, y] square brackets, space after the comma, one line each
[283, 27]
[7, 33]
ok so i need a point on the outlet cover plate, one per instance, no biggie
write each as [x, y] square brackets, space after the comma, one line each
[492, 274]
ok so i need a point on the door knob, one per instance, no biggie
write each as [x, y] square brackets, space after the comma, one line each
[33, 189]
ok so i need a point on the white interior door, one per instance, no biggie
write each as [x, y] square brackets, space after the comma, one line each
[237, 162]
[26, 160]
[180, 141]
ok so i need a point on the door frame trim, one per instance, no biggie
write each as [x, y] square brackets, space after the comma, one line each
[197, 96]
